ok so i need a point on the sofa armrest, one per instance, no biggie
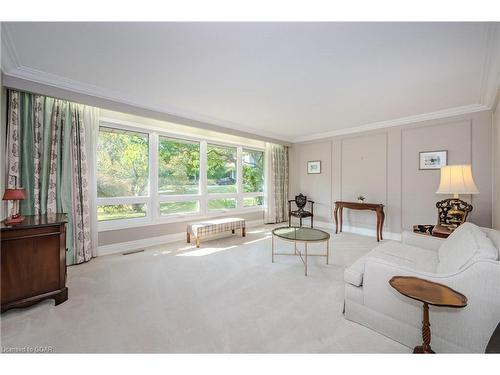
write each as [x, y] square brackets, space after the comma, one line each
[421, 240]
[480, 276]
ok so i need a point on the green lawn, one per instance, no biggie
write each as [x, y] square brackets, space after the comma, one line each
[193, 189]
[176, 189]
[253, 201]
[222, 203]
[221, 188]
[102, 216]
[168, 208]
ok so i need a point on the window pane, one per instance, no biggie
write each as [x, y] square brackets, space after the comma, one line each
[218, 204]
[253, 201]
[221, 169]
[168, 208]
[253, 171]
[179, 167]
[122, 163]
[121, 211]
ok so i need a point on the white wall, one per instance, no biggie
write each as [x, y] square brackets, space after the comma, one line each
[383, 166]
[496, 165]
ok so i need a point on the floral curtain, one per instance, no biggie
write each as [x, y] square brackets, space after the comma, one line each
[47, 155]
[276, 192]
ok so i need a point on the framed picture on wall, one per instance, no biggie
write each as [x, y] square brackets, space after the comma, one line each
[314, 167]
[433, 159]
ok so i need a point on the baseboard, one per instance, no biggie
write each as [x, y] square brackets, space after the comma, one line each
[121, 247]
[359, 230]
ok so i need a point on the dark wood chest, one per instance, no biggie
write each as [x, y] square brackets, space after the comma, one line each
[33, 258]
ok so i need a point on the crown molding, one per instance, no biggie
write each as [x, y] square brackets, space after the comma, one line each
[457, 111]
[183, 117]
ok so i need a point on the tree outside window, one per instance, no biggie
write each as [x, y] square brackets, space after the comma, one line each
[221, 169]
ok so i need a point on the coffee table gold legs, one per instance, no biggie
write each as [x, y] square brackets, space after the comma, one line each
[425, 348]
[303, 255]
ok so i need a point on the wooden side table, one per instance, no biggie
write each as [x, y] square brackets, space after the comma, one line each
[442, 231]
[430, 293]
[33, 261]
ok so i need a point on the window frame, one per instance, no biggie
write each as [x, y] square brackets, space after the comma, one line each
[153, 199]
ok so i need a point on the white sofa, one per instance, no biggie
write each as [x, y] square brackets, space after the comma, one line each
[468, 261]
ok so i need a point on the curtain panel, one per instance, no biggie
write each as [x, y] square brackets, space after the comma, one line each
[48, 155]
[276, 192]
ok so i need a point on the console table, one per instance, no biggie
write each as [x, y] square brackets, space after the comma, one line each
[377, 207]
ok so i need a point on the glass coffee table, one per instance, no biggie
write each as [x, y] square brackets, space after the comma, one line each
[301, 234]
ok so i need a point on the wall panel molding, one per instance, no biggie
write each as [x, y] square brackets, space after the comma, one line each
[409, 193]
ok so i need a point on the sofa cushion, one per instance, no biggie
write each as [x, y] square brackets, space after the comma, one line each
[494, 236]
[464, 246]
[396, 253]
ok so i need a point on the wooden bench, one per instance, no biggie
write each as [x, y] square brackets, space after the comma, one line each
[208, 227]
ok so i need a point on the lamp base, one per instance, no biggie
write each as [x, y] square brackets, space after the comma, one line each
[452, 212]
[11, 221]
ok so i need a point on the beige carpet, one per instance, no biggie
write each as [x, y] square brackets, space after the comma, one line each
[225, 297]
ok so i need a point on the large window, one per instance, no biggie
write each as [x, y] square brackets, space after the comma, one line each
[122, 174]
[149, 176]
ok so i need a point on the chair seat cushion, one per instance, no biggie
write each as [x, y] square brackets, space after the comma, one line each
[301, 213]
[396, 253]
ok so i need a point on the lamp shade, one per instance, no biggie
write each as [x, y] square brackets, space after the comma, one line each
[14, 194]
[457, 179]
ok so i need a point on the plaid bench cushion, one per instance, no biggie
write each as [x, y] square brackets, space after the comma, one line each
[208, 227]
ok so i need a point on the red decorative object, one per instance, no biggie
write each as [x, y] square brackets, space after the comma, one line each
[15, 195]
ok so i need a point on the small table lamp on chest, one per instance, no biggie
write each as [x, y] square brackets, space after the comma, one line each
[455, 179]
[15, 195]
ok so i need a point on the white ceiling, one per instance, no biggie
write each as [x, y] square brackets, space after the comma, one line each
[290, 81]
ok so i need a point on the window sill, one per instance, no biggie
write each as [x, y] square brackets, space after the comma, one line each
[105, 226]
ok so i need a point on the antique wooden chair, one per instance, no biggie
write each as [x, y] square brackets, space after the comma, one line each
[300, 201]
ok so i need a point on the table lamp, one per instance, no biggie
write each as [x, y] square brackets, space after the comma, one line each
[456, 179]
[14, 195]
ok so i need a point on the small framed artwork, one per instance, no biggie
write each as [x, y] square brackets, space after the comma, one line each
[433, 159]
[314, 167]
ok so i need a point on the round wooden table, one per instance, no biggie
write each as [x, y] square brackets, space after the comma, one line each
[429, 293]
